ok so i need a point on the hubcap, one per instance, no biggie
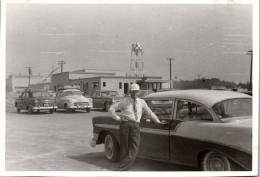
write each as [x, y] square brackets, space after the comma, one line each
[217, 164]
[109, 147]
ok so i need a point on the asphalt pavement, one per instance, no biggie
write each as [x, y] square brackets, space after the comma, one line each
[60, 142]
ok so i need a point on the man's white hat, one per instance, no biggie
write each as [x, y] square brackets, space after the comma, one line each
[134, 87]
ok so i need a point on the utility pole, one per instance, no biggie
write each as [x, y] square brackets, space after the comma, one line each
[61, 65]
[30, 73]
[250, 52]
[198, 79]
[170, 70]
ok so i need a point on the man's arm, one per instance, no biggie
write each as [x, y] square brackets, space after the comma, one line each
[150, 113]
[114, 107]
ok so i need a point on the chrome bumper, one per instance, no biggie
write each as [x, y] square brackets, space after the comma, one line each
[93, 142]
[44, 107]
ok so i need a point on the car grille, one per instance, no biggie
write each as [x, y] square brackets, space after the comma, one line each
[81, 104]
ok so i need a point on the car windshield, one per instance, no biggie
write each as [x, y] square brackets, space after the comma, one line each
[234, 108]
[72, 93]
[111, 93]
[39, 93]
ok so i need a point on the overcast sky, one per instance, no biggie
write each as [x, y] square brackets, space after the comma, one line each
[206, 39]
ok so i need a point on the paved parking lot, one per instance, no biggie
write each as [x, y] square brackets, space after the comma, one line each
[60, 142]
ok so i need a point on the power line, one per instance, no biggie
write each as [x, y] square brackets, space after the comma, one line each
[61, 63]
[250, 52]
[30, 73]
[170, 70]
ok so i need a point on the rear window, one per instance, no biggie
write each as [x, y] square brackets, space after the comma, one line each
[234, 108]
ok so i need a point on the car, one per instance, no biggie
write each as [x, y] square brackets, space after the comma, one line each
[73, 99]
[104, 98]
[35, 100]
[208, 129]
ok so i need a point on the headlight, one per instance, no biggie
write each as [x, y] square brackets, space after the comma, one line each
[69, 101]
[113, 100]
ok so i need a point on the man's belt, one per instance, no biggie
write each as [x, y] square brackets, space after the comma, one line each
[126, 119]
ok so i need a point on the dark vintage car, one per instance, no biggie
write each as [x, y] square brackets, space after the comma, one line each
[209, 129]
[104, 98]
[35, 100]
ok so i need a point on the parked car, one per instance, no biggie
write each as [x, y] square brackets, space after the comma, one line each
[35, 100]
[72, 99]
[104, 98]
[210, 129]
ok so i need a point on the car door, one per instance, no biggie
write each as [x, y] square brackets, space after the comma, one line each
[19, 101]
[95, 99]
[154, 137]
[25, 99]
[57, 99]
[188, 115]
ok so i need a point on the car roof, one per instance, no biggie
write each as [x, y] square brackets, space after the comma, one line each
[207, 97]
[106, 90]
[67, 90]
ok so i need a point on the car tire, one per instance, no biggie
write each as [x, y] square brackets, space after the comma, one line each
[111, 148]
[88, 110]
[18, 109]
[30, 110]
[214, 161]
[51, 111]
[66, 108]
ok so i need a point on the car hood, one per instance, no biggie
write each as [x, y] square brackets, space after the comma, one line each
[77, 98]
[42, 98]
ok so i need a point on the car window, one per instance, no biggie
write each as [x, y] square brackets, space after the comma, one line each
[25, 95]
[38, 94]
[161, 108]
[104, 93]
[113, 93]
[234, 108]
[187, 110]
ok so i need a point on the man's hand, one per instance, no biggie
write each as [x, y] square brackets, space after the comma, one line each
[163, 122]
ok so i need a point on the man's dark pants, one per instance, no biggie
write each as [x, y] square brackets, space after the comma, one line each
[129, 144]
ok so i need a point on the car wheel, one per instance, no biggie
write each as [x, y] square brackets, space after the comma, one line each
[51, 111]
[107, 106]
[111, 148]
[88, 110]
[66, 108]
[18, 109]
[214, 161]
[30, 110]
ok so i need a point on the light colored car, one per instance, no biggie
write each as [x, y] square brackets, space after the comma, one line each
[210, 129]
[35, 100]
[72, 99]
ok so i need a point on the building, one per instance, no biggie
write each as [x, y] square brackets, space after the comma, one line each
[17, 83]
[101, 80]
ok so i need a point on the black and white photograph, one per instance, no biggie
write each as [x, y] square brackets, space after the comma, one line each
[130, 87]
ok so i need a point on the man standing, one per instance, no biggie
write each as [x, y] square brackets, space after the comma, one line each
[131, 109]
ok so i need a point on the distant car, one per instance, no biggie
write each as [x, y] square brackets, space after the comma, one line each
[210, 129]
[72, 99]
[35, 100]
[104, 98]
